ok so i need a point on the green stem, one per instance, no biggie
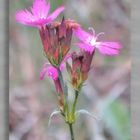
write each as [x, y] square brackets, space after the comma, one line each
[61, 80]
[66, 108]
[71, 131]
[75, 101]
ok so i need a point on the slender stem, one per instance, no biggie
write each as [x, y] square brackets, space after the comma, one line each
[71, 131]
[64, 91]
[61, 80]
[75, 101]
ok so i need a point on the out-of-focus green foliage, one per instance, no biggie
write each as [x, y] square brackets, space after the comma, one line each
[56, 3]
[118, 121]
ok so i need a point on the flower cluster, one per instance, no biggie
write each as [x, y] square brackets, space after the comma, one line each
[56, 39]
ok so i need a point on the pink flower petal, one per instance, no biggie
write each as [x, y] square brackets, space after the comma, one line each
[40, 8]
[86, 47]
[108, 48]
[62, 65]
[66, 57]
[56, 13]
[83, 35]
[50, 71]
[25, 17]
[43, 73]
[114, 45]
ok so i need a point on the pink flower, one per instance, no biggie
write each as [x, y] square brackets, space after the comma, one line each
[89, 43]
[51, 71]
[38, 14]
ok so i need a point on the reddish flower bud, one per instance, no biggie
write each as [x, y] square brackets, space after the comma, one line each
[80, 67]
[56, 39]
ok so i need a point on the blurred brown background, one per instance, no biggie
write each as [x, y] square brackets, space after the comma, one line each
[106, 93]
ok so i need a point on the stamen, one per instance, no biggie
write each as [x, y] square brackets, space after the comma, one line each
[101, 33]
[92, 38]
[92, 29]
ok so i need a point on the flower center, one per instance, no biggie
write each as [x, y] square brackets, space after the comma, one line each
[92, 41]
